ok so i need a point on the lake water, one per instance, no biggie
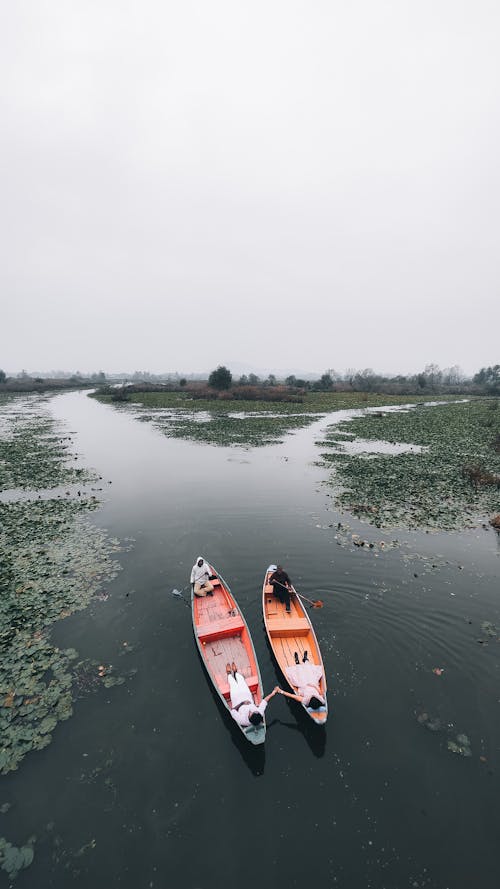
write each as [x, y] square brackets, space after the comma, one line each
[150, 785]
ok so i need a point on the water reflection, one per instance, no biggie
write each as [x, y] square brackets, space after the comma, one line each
[253, 756]
[388, 621]
[314, 735]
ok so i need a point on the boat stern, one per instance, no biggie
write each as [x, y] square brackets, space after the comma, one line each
[256, 734]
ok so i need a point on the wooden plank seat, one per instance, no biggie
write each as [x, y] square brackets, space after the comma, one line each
[294, 626]
[216, 629]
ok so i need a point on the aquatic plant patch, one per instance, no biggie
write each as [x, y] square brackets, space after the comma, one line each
[258, 423]
[53, 562]
[32, 456]
[431, 489]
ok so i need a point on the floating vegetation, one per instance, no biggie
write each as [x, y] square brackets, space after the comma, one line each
[461, 746]
[31, 454]
[431, 489]
[253, 431]
[254, 424]
[53, 562]
[13, 858]
[490, 630]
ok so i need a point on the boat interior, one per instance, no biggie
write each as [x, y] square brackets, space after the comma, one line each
[289, 633]
[224, 639]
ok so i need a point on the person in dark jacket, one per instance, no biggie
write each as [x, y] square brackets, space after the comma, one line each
[281, 585]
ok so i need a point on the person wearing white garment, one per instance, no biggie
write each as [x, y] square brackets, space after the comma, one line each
[200, 578]
[244, 710]
[305, 677]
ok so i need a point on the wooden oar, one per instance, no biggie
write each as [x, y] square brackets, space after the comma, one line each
[315, 603]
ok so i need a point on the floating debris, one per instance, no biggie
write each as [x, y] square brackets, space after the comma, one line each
[489, 629]
[460, 746]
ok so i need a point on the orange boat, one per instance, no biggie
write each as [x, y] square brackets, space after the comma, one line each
[222, 636]
[289, 633]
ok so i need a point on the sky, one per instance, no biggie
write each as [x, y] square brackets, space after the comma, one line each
[268, 184]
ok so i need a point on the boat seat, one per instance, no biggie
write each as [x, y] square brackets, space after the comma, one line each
[294, 626]
[216, 629]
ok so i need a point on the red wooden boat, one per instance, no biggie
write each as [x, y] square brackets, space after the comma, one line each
[222, 636]
[289, 633]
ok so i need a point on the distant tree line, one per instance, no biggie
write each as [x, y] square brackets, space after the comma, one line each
[432, 380]
[24, 382]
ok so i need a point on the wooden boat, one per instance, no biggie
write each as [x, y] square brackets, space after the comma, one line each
[290, 632]
[222, 636]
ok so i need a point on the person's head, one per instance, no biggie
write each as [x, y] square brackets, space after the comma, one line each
[200, 562]
[314, 703]
[256, 718]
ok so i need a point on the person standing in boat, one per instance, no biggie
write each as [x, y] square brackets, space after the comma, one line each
[244, 710]
[282, 586]
[305, 677]
[200, 578]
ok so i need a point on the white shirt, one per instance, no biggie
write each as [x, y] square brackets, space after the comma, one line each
[241, 716]
[200, 573]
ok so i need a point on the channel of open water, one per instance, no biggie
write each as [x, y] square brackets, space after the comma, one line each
[149, 785]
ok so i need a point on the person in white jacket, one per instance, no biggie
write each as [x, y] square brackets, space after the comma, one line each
[200, 578]
[305, 677]
[244, 710]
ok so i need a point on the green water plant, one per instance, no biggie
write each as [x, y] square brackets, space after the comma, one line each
[432, 486]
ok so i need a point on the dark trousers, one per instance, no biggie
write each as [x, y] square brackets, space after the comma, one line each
[282, 594]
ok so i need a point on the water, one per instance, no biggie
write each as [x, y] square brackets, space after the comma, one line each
[149, 784]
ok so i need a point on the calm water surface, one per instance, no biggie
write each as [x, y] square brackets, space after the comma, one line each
[149, 785]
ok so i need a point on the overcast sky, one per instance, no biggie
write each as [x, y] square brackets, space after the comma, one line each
[288, 185]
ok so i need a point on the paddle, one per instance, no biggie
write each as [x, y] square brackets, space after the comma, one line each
[177, 594]
[315, 603]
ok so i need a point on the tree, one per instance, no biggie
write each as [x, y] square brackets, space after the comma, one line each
[433, 375]
[453, 376]
[366, 380]
[326, 382]
[489, 377]
[220, 378]
[3, 376]
[182, 381]
[253, 379]
[291, 380]
[271, 380]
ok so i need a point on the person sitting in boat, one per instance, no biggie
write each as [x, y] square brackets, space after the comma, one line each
[200, 578]
[281, 585]
[244, 710]
[305, 677]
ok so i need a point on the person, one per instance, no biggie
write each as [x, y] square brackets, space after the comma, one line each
[281, 584]
[200, 578]
[244, 710]
[305, 677]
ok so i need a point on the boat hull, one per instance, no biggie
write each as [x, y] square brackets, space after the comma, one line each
[222, 636]
[292, 632]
